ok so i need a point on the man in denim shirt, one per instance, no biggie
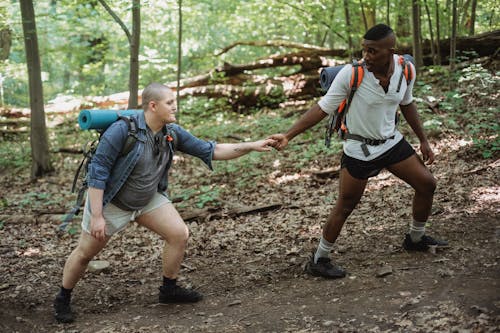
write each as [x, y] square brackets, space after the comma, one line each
[132, 187]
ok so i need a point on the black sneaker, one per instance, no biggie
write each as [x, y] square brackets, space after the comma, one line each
[178, 294]
[324, 268]
[424, 244]
[62, 311]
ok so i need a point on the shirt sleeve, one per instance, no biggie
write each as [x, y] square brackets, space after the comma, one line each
[408, 97]
[337, 92]
[191, 145]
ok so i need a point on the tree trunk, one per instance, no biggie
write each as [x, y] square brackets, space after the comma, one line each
[348, 26]
[363, 14]
[438, 34]
[370, 12]
[40, 165]
[387, 13]
[429, 20]
[134, 55]
[472, 18]
[453, 39]
[416, 30]
[179, 60]
[5, 43]
[402, 22]
[133, 40]
[465, 17]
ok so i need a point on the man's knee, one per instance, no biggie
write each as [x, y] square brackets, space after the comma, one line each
[178, 234]
[428, 186]
[82, 256]
[345, 206]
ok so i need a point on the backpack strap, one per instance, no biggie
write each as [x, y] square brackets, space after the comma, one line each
[406, 71]
[131, 135]
[171, 137]
[356, 78]
[88, 152]
[337, 120]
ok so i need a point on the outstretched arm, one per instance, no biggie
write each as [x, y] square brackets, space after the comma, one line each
[411, 115]
[228, 151]
[313, 116]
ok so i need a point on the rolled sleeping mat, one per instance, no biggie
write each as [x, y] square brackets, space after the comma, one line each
[409, 57]
[327, 75]
[101, 119]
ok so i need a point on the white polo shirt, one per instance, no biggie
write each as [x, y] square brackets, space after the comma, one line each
[372, 111]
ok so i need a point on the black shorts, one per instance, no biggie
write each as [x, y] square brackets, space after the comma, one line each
[366, 169]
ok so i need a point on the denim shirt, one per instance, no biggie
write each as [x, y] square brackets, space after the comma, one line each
[108, 170]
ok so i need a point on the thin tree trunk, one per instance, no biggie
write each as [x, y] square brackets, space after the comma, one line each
[134, 55]
[429, 20]
[465, 15]
[387, 14]
[363, 14]
[179, 60]
[472, 17]
[453, 39]
[438, 33]
[40, 165]
[416, 28]
[134, 40]
[370, 12]
[348, 25]
[402, 22]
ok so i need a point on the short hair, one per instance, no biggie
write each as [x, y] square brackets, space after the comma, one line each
[378, 32]
[153, 92]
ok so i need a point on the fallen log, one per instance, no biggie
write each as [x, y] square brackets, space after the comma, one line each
[274, 43]
[269, 93]
[211, 212]
[484, 45]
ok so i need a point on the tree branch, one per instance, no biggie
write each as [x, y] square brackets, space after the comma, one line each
[275, 43]
[117, 19]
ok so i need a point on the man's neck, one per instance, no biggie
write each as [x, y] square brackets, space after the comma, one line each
[152, 123]
[386, 70]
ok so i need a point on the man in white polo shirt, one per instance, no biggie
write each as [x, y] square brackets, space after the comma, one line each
[373, 143]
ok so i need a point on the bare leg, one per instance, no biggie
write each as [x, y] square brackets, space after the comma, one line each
[415, 173]
[88, 247]
[350, 192]
[166, 222]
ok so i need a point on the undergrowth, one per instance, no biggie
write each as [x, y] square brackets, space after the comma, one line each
[466, 106]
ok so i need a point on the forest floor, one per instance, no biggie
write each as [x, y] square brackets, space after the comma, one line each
[250, 266]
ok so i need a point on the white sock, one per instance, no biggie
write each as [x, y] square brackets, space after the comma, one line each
[417, 230]
[324, 249]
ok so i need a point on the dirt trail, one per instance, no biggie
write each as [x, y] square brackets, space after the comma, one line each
[250, 267]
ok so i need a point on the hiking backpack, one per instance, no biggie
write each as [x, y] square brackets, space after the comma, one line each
[89, 151]
[336, 121]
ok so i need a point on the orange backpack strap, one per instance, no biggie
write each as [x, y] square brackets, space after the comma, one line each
[407, 71]
[336, 122]
[357, 75]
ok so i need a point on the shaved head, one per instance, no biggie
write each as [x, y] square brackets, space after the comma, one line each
[380, 35]
[153, 92]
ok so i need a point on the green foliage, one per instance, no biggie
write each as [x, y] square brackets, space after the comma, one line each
[203, 195]
[85, 52]
[15, 155]
[36, 200]
[471, 107]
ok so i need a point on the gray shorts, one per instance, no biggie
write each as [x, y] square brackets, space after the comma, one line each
[117, 219]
